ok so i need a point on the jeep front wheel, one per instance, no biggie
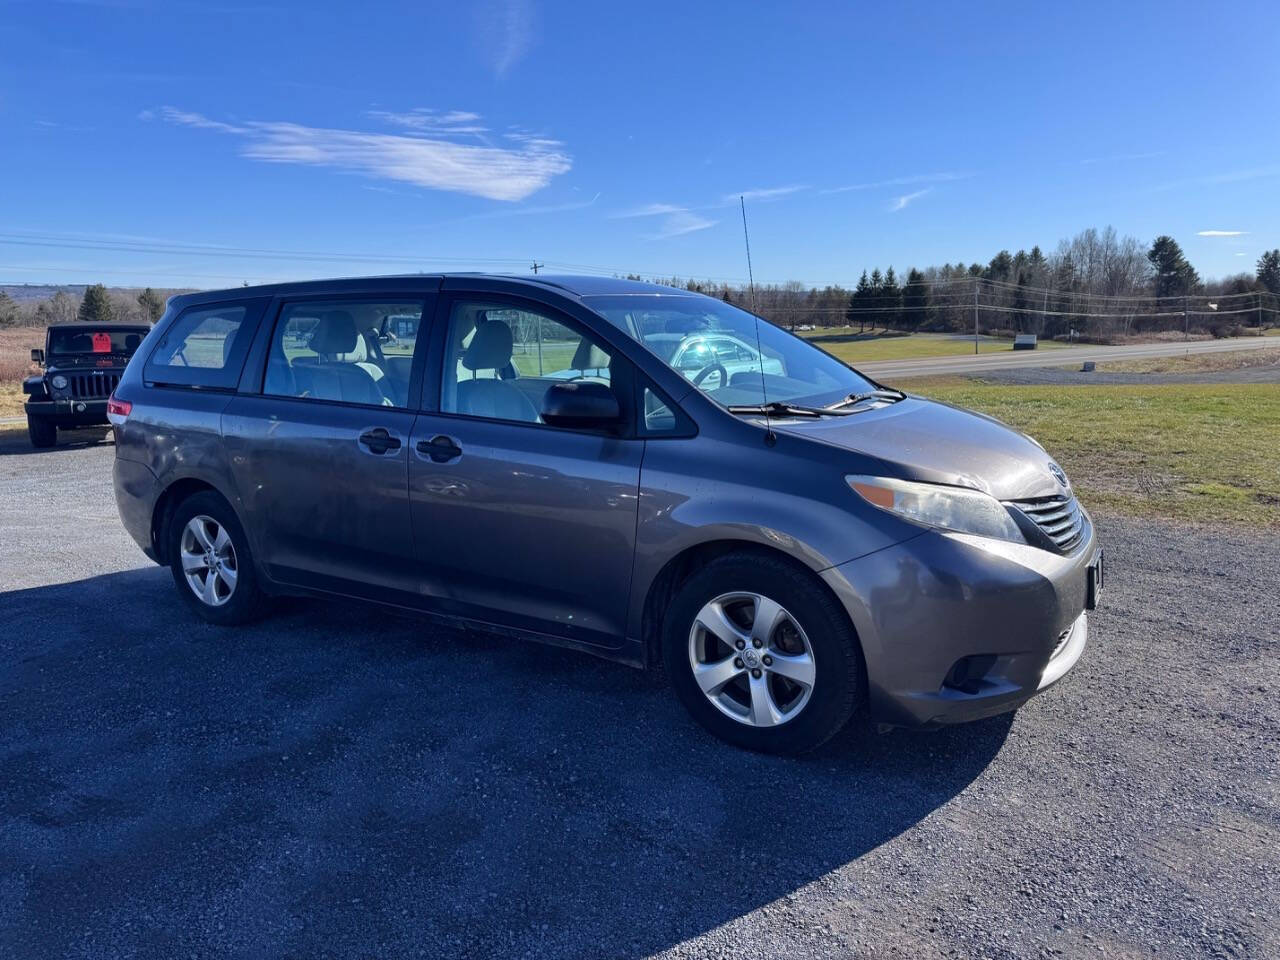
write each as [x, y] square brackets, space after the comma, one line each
[42, 431]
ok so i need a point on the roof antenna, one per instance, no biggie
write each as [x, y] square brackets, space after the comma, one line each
[769, 438]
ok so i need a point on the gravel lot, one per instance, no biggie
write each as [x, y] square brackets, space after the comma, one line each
[340, 781]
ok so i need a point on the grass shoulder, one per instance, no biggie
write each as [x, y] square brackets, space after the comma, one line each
[1198, 452]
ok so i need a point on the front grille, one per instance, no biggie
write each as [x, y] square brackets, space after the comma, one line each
[1059, 517]
[92, 386]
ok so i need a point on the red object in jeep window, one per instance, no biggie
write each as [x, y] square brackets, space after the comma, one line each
[102, 343]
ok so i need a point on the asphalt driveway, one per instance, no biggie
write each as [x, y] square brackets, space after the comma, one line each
[343, 781]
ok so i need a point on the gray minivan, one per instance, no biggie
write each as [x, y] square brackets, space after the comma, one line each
[790, 539]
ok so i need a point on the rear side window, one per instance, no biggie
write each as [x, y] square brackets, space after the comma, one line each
[205, 346]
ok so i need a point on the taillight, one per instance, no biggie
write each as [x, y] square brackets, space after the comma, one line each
[118, 410]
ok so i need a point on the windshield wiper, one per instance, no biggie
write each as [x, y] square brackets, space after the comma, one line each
[885, 393]
[776, 408]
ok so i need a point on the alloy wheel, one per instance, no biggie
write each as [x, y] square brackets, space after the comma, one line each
[751, 659]
[208, 560]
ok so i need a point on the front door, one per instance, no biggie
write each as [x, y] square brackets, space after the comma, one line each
[517, 522]
[321, 456]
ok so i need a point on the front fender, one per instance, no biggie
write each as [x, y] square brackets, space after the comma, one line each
[35, 388]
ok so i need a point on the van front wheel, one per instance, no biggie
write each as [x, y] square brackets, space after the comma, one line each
[762, 654]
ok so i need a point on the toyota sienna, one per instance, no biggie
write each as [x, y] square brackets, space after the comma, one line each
[630, 470]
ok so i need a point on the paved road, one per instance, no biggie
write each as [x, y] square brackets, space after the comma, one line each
[889, 370]
[338, 781]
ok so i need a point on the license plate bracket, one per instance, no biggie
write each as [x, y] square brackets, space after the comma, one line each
[1095, 580]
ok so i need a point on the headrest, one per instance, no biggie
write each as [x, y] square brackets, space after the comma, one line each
[589, 357]
[358, 354]
[335, 333]
[490, 347]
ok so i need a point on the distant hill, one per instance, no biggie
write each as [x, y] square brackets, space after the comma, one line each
[28, 292]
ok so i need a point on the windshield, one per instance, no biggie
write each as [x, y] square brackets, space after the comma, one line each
[106, 340]
[713, 345]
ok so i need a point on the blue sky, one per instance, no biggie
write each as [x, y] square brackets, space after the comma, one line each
[153, 141]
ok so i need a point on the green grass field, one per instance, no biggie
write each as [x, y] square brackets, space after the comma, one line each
[1203, 452]
[846, 344]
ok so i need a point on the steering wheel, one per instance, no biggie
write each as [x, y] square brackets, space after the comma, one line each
[709, 369]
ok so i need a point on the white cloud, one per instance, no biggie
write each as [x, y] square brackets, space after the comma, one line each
[497, 173]
[506, 32]
[903, 181]
[426, 120]
[680, 222]
[900, 203]
[1221, 233]
[649, 210]
[766, 193]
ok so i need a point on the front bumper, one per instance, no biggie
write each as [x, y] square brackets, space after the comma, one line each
[68, 412]
[957, 628]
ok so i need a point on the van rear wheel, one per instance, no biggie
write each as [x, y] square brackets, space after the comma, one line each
[762, 654]
[211, 562]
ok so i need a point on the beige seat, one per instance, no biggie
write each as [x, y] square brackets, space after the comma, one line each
[491, 349]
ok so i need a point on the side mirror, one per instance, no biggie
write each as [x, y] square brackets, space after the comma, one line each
[37, 356]
[580, 403]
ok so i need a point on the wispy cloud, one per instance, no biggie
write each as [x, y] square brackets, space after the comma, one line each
[900, 203]
[495, 172]
[506, 32]
[943, 177]
[1120, 157]
[1221, 233]
[452, 123]
[679, 223]
[675, 220]
[765, 193]
[648, 210]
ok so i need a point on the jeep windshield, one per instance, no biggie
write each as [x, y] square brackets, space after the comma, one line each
[713, 345]
[85, 340]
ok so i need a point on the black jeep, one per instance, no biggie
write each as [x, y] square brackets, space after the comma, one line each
[83, 363]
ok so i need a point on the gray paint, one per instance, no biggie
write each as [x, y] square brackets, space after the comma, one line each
[560, 534]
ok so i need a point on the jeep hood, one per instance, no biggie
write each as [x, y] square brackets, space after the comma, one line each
[938, 443]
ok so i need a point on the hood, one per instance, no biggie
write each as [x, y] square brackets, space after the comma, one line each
[938, 443]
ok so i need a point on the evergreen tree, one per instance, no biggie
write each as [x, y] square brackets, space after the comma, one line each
[917, 311]
[1269, 270]
[890, 300]
[8, 310]
[152, 304]
[861, 297]
[1174, 276]
[96, 305]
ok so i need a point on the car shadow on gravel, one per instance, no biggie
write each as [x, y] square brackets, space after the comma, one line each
[340, 780]
[16, 441]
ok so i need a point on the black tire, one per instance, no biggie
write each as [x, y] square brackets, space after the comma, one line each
[838, 684]
[245, 601]
[42, 431]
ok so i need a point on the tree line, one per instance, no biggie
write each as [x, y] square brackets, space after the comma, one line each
[96, 305]
[1095, 284]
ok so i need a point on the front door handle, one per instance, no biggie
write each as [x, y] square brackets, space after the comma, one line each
[379, 441]
[440, 449]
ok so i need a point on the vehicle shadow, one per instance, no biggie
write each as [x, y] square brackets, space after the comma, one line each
[337, 780]
[15, 440]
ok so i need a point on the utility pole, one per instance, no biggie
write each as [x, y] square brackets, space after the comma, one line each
[1186, 320]
[975, 316]
[535, 267]
[1259, 313]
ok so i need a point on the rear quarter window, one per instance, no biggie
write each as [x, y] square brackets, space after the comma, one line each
[205, 346]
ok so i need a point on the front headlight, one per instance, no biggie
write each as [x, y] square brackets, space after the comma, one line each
[59, 382]
[934, 505]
